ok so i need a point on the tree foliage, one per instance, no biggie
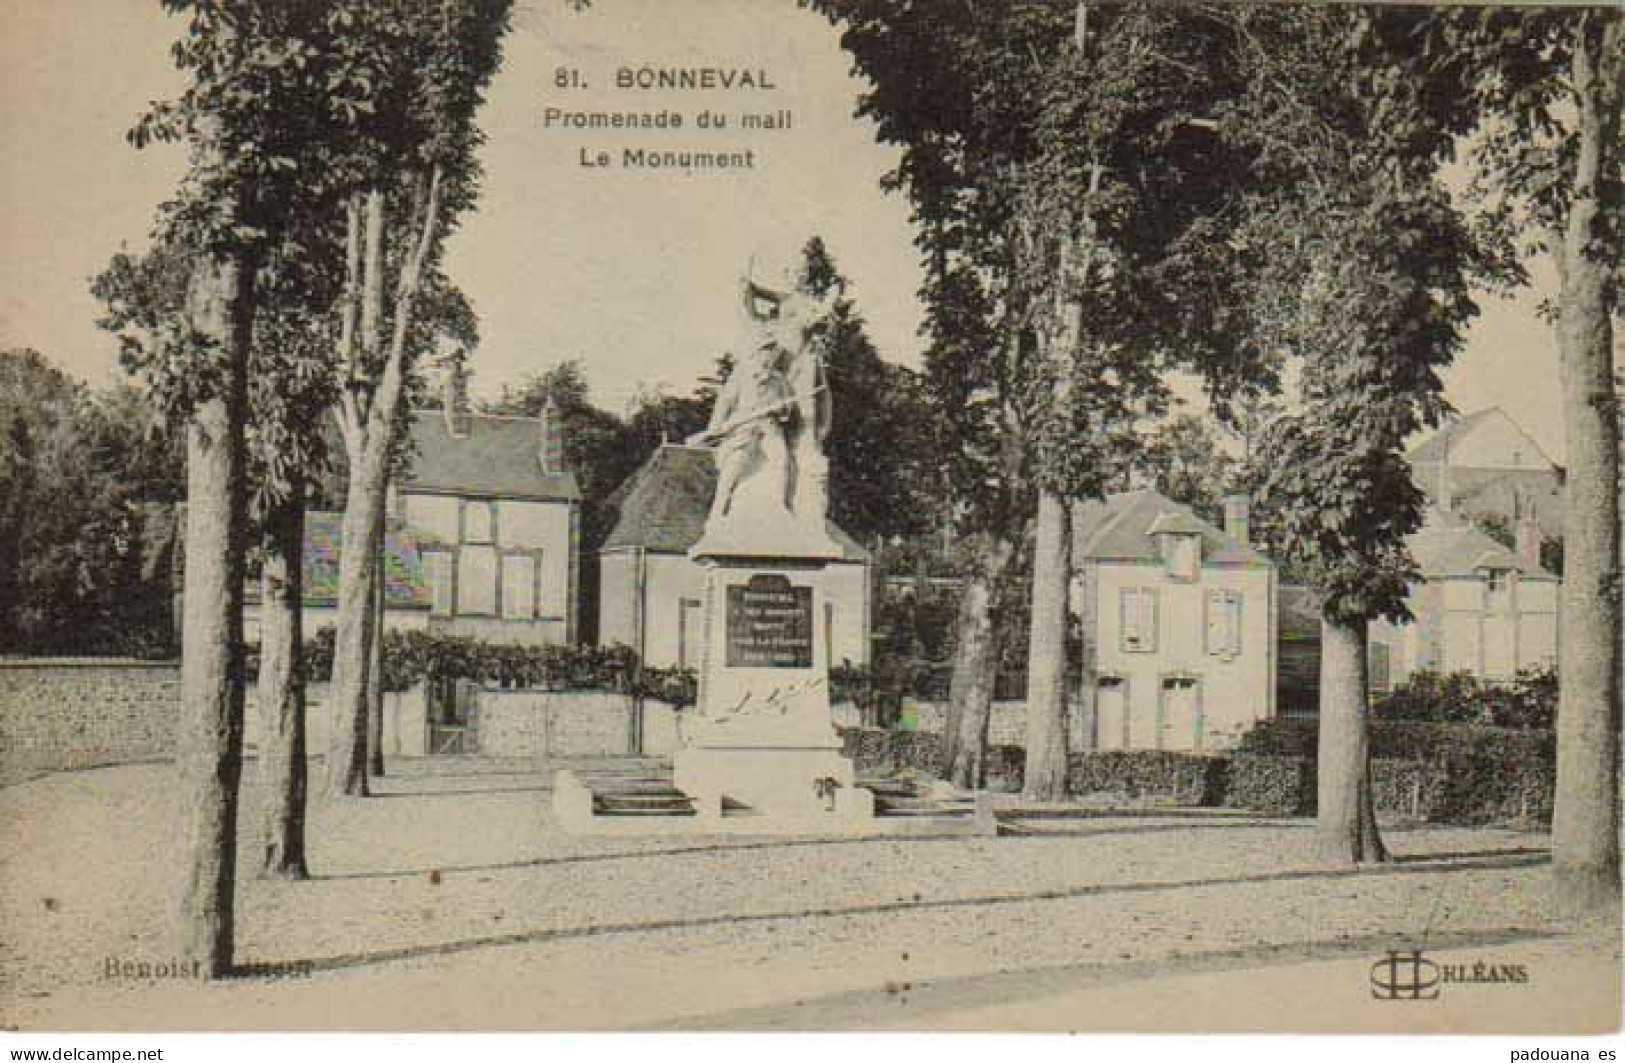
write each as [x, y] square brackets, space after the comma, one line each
[1357, 266]
[89, 481]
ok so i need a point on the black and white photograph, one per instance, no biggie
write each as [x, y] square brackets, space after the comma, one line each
[810, 516]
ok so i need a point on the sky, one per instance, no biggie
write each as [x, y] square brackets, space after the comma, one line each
[632, 271]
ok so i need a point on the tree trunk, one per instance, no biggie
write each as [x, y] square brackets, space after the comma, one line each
[352, 642]
[209, 735]
[1045, 776]
[976, 656]
[282, 691]
[369, 429]
[375, 674]
[1346, 822]
[1586, 818]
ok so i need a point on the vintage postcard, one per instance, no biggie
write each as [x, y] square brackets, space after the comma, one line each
[850, 515]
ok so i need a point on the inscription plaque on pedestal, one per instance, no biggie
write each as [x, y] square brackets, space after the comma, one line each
[769, 623]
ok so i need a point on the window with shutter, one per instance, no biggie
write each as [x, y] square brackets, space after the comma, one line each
[477, 580]
[437, 567]
[1139, 620]
[518, 587]
[1224, 623]
[477, 521]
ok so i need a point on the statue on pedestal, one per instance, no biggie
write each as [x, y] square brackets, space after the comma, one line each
[772, 416]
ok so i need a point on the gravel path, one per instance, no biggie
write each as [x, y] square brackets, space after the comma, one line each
[452, 902]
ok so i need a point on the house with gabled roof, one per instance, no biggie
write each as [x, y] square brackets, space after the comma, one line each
[651, 593]
[1178, 620]
[496, 516]
[1485, 467]
[482, 534]
[1481, 607]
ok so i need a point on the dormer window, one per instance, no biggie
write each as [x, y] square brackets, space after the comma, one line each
[1179, 543]
[1182, 554]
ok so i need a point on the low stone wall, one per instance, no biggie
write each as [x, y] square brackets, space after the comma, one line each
[1006, 725]
[571, 723]
[63, 713]
[58, 713]
[406, 721]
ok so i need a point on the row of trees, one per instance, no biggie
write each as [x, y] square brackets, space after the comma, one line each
[295, 277]
[1104, 193]
[88, 484]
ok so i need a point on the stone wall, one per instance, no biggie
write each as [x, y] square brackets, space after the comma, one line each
[569, 723]
[406, 715]
[58, 713]
[1006, 726]
[63, 713]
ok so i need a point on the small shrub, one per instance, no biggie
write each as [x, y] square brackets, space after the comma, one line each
[1412, 788]
[1283, 736]
[878, 753]
[1006, 769]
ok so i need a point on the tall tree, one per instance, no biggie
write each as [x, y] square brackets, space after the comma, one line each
[955, 89]
[88, 484]
[267, 95]
[1351, 112]
[292, 386]
[1051, 152]
[429, 64]
[1549, 157]
[880, 485]
[1124, 192]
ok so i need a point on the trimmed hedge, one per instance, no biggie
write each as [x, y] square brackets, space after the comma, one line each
[1189, 779]
[1266, 782]
[417, 656]
[1440, 772]
[877, 752]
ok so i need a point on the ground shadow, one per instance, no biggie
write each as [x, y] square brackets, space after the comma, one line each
[1436, 865]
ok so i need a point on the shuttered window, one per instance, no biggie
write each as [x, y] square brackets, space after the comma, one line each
[437, 568]
[518, 587]
[1224, 623]
[1139, 619]
[477, 580]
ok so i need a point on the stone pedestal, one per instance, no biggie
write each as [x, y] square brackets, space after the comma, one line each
[761, 739]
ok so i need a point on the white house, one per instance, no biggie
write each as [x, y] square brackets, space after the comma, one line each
[1485, 466]
[497, 521]
[1178, 625]
[1481, 608]
[482, 540]
[651, 593]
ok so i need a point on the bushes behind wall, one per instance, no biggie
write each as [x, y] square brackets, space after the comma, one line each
[1434, 772]
[413, 657]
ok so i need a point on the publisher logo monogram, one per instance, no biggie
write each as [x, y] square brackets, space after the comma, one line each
[1405, 976]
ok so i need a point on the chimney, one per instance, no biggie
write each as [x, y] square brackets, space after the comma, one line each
[455, 401]
[1238, 517]
[551, 452]
[1526, 535]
